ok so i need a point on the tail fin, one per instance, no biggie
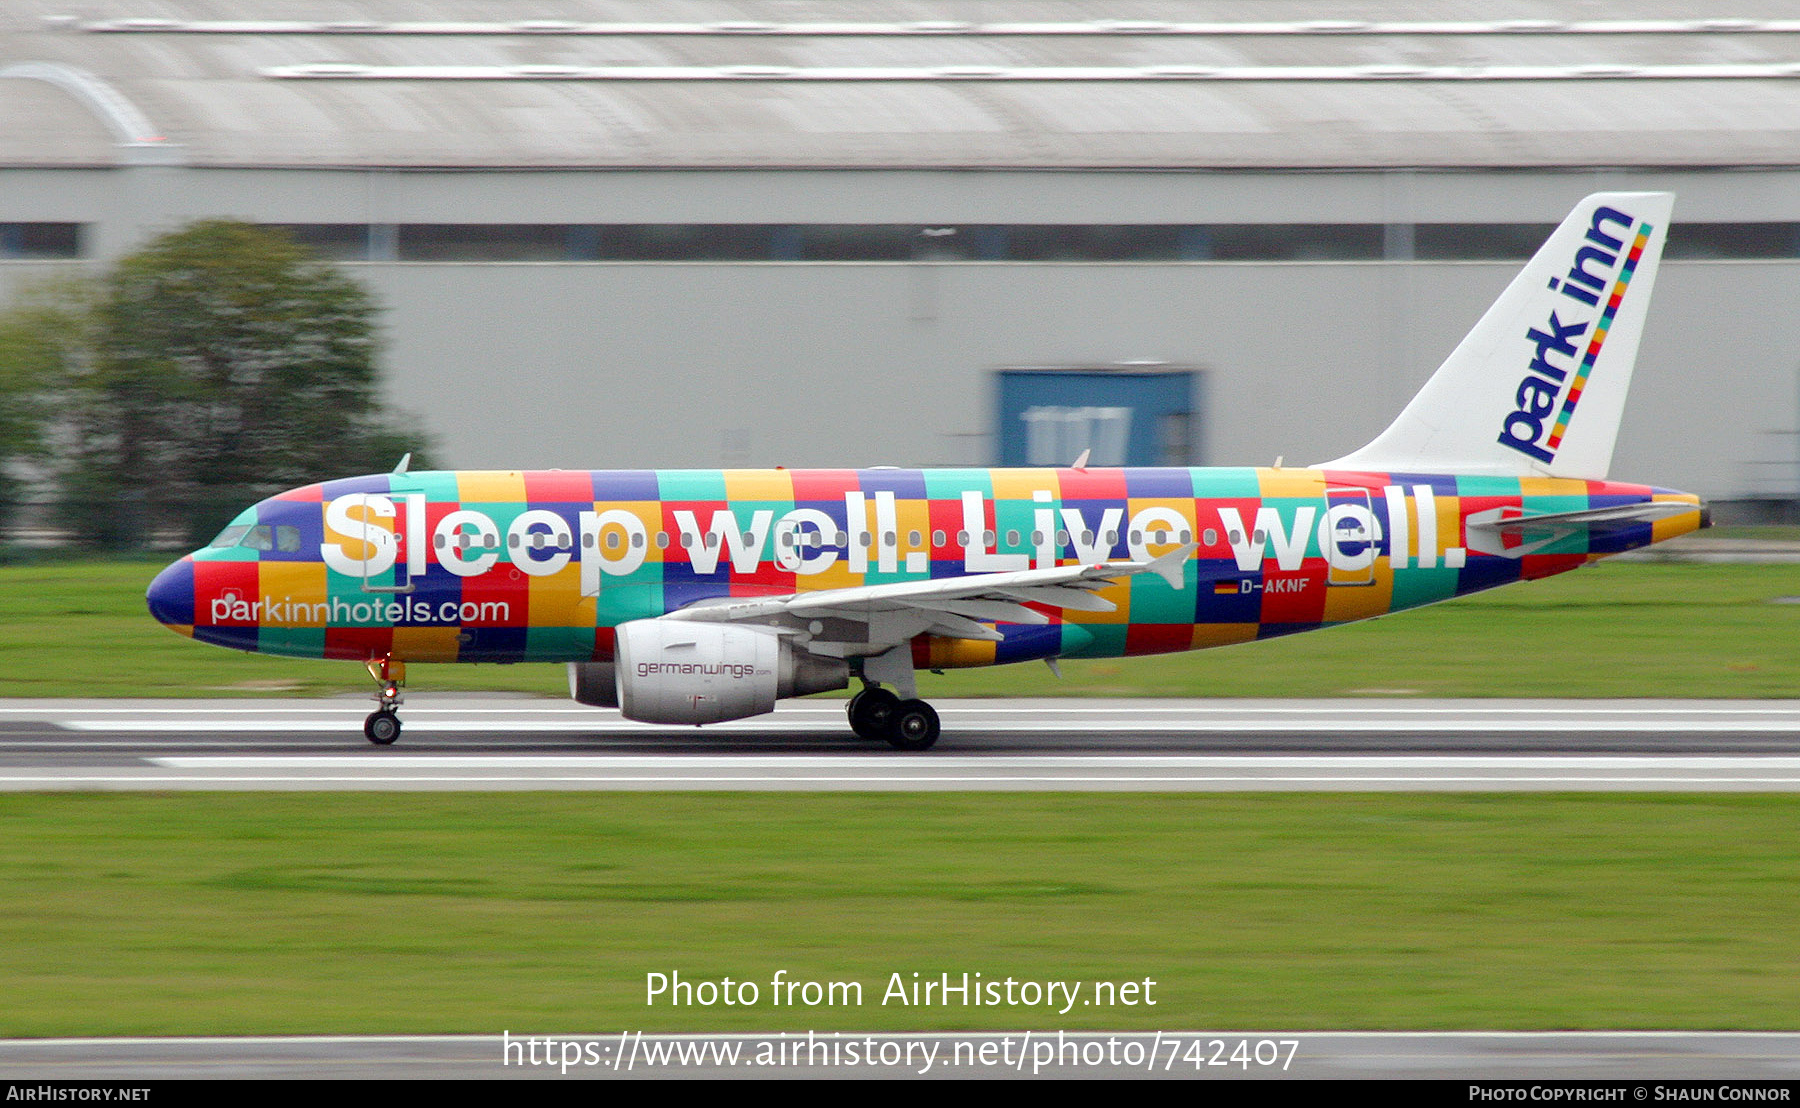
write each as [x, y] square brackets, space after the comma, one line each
[1538, 387]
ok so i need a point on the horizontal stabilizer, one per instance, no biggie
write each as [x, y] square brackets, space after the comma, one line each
[1510, 532]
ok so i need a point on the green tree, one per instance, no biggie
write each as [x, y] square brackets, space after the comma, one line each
[46, 340]
[231, 363]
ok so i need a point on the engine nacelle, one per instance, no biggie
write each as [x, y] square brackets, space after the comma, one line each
[594, 683]
[670, 671]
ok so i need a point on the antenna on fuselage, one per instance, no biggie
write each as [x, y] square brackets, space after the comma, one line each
[405, 460]
[1081, 462]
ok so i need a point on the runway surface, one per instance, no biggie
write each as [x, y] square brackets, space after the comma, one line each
[454, 742]
[1631, 1058]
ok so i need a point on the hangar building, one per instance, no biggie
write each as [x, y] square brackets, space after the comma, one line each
[621, 233]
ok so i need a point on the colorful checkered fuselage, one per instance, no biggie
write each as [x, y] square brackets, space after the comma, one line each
[542, 566]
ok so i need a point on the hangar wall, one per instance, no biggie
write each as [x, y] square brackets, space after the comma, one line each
[840, 363]
[837, 364]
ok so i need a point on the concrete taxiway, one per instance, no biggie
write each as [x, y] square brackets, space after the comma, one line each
[475, 743]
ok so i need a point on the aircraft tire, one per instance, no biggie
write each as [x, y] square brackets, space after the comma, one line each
[914, 726]
[871, 713]
[382, 728]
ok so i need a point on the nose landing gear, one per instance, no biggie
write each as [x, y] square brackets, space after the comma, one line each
[383, 725]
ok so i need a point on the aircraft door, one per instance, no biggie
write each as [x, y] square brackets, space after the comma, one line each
[1349, 537]
[409, 548]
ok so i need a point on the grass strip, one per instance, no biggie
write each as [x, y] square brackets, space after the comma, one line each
[1611, 630]
[274, 913]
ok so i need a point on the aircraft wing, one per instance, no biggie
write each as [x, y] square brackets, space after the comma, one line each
[873, 618]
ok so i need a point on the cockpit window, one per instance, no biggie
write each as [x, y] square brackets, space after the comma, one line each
[284, 537]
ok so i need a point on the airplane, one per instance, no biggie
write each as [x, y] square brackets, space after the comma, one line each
[698, 596]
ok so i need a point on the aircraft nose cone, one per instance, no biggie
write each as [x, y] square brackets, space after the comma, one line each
[171, 595]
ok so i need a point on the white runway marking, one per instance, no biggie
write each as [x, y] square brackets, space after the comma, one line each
[467, 715]
[1085, 763]
[313, 744]
[889, 772]
[1628, 1056]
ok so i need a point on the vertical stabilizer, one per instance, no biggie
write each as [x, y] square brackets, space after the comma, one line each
[1538, 387]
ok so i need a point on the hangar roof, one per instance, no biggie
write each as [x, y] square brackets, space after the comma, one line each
[900, 83]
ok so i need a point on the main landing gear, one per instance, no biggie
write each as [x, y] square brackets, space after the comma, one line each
[383, 725]
[875, 713]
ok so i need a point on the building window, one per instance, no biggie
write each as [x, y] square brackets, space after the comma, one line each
[482, 242]
[894, 242]
[1733, 240]
[1478, 242]
[340, 242]
[40, 240]
[1298, 242]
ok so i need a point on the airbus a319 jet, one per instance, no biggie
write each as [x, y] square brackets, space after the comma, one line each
[696, 596]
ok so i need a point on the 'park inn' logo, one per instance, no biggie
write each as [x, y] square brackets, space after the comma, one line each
[1558, 365]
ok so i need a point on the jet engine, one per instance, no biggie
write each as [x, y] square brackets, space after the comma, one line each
[594, 683]
[671, 671]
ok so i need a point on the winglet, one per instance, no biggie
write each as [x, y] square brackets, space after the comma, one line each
[1168, 567]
